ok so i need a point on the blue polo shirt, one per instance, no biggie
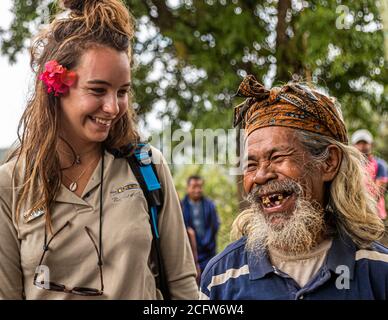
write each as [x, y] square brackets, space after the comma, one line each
[347, 273]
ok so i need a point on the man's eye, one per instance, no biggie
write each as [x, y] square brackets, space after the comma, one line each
[250, 166]
[277, 157]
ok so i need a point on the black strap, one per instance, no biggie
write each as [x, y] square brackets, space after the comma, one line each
[153, 199]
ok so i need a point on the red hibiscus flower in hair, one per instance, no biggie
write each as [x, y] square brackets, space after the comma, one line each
[57, 78]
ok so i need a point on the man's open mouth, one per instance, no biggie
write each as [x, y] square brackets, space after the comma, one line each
[274, 199]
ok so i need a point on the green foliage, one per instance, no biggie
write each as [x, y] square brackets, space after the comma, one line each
[203, 48]
[219, 187]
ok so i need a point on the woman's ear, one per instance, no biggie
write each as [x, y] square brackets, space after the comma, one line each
[332, 164]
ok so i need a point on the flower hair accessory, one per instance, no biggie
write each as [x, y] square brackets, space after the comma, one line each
[57, 78]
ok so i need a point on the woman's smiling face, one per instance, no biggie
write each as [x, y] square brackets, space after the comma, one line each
[98, 98]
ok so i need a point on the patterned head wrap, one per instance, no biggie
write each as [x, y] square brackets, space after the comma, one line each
[293, 105]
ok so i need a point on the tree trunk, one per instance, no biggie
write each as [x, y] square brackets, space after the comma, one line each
[282, 40]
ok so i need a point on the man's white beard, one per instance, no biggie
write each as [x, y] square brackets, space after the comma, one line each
[297, 234]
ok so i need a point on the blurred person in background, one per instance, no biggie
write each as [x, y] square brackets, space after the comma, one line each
[377, 168]
[200, 215]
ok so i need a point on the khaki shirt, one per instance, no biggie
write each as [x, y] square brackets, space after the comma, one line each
[126, 239]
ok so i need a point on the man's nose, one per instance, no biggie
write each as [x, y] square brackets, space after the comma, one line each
[263, 174]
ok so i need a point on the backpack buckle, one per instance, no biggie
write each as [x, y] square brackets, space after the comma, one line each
[143, 154]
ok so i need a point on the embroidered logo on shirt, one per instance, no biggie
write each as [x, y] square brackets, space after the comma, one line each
[31, 215]
[118, 194]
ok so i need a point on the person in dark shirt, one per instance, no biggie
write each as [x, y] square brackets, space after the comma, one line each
[200, 215]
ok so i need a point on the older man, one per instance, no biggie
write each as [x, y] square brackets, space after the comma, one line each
[311, 230]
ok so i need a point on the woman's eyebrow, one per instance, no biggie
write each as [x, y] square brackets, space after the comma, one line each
[97, 81]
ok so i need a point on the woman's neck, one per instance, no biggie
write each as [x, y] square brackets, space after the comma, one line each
[71, 154]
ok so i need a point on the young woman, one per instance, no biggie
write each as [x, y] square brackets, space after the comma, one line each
[74, 222]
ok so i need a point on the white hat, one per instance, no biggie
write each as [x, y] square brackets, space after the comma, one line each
[362, 135]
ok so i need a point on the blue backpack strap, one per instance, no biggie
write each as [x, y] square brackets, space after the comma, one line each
[144, 170]
[143, 156]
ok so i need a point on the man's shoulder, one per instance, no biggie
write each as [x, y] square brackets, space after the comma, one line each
[207, 200]
[185, 199]
[378, 246]
[380, 162]
[232, 257]
[376, 254]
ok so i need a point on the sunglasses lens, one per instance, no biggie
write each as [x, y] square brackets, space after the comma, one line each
[57, 287]
[87, 291]
[49, 286]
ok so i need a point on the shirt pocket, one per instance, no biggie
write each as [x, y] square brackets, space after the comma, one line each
[126, 192]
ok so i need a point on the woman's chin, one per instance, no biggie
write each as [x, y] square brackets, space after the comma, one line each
[97, 137]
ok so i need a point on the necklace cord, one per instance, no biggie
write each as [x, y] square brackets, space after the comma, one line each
[72, 152]
[100, 263]
[101, 203]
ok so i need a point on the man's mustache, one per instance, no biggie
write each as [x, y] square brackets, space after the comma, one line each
[274, 186]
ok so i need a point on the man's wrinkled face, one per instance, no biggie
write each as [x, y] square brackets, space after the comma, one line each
[285, 187]
[277, 161]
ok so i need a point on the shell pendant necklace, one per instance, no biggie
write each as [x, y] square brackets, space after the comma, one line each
[73, 182]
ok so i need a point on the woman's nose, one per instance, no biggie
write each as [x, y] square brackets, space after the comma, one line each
[111, 105]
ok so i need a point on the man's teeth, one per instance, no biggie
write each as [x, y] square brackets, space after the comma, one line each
[272, 200]
[102, 121]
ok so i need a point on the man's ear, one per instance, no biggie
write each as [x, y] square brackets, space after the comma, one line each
[332, 164]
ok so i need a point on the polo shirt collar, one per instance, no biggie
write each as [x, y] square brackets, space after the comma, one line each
[259, 265]
[342, 252]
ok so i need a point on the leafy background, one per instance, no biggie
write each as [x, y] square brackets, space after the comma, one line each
[190, 57]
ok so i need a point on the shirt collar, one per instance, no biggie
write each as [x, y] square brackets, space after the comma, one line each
[66, 196]
[259, 265]
[96, 176]
[341, 253]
